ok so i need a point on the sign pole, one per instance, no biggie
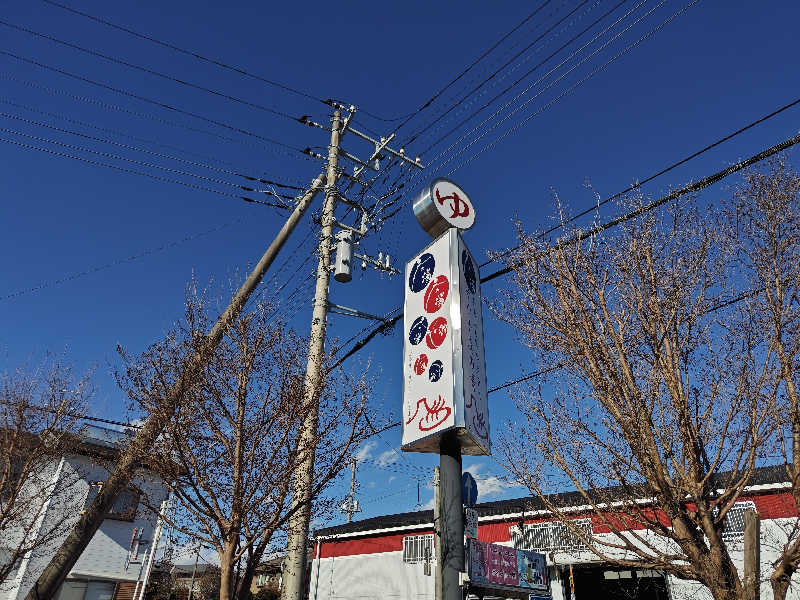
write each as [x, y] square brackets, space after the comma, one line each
[451, 516]
[437, 531]
[445, 404]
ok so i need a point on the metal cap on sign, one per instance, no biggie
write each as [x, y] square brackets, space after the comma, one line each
[442, 205]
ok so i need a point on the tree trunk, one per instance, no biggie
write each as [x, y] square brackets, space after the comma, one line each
[226, 583]
[781, 577]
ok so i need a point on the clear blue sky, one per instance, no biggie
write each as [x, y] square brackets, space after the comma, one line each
[713, 69]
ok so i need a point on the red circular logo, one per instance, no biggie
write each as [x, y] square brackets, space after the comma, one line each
[436, 294]
[436, 333]
[421, 364]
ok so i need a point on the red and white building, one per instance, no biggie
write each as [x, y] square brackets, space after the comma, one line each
[385, 557]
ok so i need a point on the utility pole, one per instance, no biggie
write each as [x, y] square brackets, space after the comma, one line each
[194, 572]
[351, 506]
[302, 484]
[296, 548]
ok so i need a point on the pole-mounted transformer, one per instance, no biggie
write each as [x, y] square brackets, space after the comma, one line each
[343, 271]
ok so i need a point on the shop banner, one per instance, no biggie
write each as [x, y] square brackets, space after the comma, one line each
[504, 565]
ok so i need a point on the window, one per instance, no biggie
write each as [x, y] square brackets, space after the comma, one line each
[262, 580]
[552, 536]
[418, 548]
[124, 508]
[733, 531]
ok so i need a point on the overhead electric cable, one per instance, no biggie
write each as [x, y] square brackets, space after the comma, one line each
[687, 189]
[140, 163]
[646, 180]
[469, 67]
[158, 154]
[486, 131]
[215, 62]
[149, 71]
[196, 55]
[120, 261]
[536, 67]
[498, 70]
[209, 159]
[142, 115]
[149, 100]
[565, 92]
[141, 173]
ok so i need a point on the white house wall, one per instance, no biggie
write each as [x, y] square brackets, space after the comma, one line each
[104, 557]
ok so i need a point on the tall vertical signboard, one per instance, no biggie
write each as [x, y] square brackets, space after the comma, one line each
[444, 373]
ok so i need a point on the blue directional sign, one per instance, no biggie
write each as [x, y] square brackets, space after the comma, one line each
[469, 489]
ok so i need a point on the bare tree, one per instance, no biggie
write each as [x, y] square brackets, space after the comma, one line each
[230, 449]
[38, 412]
[660, 395]
[765, 227]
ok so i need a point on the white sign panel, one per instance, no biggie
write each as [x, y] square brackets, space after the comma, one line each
[471, 523]
[444, 373]
[476, 399]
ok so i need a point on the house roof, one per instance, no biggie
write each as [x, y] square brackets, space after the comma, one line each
[762, 476]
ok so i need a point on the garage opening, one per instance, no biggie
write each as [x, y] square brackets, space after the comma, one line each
[610, 583]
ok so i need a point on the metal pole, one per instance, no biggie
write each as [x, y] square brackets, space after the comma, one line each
[351, 507]
[451, 516]
[437, 532]
[194, 572]
[303, 475]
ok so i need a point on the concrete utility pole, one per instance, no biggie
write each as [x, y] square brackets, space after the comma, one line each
[352, 505]
[125, 467]
[752, 555]
[304, 475]
[194, 572]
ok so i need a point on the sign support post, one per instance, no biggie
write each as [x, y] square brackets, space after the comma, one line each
[451, 516]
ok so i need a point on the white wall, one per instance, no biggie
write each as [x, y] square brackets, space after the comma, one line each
[370, 577]
[104, 557]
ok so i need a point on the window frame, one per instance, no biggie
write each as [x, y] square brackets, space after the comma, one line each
[557, 536]
[414, 547]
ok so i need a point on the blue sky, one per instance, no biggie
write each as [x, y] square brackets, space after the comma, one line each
[714, 68]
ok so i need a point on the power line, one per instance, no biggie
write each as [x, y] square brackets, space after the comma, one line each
[120, 261]
[142, 163]
[469, 67]
[148, 141]
[149, 100]
[73, 415]
[149, 71]
[141, 173]
[565, 92]
[485, 132]
[141, 115]
[534, 68]
[687, 189]
[663, 171]
[196, 55]
[498, 70]
[150, 152]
